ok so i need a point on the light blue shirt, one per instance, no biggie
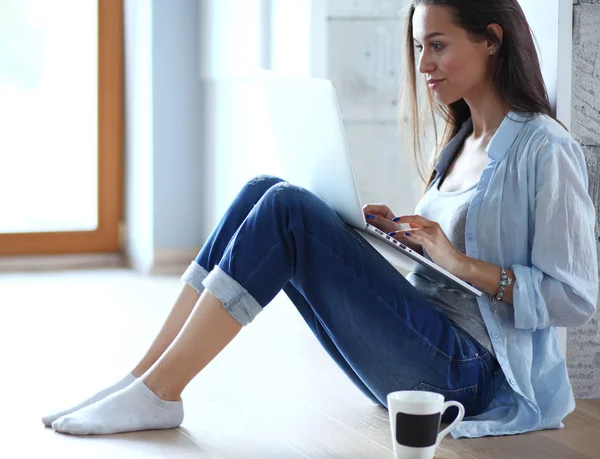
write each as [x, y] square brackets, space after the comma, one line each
[531, 213]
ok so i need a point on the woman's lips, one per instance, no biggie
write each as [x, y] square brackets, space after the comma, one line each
[433, 84]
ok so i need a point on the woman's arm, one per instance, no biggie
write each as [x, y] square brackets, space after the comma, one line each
[484, 276]
[429, 234]
[559, 286]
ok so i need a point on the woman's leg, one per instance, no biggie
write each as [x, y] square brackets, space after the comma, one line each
[188, 296]
[210, 255]
[318, 328]
[390, 336]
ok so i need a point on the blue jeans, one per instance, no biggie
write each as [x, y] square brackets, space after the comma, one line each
[374, 324]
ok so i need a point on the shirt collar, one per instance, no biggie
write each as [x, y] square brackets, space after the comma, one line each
[497, 148]
[506, 134]
[449, 150]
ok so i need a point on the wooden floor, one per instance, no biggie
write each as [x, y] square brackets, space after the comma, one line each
[273, 393]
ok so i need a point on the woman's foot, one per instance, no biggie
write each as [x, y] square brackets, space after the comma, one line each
[126, 381]
[131, 409]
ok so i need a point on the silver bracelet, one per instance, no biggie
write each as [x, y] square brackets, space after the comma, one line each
[505, 281]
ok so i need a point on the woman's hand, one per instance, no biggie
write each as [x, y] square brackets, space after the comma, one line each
[430, 236]
[382, 217]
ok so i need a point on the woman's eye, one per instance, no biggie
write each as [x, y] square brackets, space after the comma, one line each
[435, 46]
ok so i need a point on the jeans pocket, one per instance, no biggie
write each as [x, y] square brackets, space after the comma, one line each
[471, 348]
[467, 396]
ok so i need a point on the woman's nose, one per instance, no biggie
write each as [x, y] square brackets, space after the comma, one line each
[426, 64]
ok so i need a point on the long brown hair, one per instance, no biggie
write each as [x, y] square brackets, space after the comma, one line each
[516, 71]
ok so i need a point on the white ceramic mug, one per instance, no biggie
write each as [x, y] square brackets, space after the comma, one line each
[415, 418]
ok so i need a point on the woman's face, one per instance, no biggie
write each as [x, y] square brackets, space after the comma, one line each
[455, 67]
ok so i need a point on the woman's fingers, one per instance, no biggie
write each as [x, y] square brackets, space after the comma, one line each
[379, 209]
[418, 235]
[382, 217]
[415, 221]
[382, 223]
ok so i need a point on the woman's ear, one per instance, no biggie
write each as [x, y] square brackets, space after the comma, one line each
[496, 31]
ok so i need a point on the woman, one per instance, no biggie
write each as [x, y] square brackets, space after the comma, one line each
[506, 209]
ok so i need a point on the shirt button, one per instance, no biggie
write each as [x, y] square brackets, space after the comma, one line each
[512, 382]
[469, 237]
[495, 335]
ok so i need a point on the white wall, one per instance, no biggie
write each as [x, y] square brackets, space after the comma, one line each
[232, 49]
[298, 37]
[553, 32]
[164, 129]
[230, 37]
[177, 122]
[139, 215]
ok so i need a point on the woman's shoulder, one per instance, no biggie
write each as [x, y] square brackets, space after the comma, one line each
[544, 128]
[539, 136]
[544, 140]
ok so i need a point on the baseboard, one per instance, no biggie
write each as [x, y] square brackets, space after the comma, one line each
[34, 263]
[172, 261]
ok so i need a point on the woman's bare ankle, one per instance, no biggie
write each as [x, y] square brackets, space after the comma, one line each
[137, 373]
[163, 391]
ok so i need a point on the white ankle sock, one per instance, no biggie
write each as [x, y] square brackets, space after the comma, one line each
[131, 409]
[126, 381]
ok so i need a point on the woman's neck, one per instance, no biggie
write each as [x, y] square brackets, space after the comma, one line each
[487, 112]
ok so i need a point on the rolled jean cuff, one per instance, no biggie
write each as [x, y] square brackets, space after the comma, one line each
[235, 298]
[194, 275]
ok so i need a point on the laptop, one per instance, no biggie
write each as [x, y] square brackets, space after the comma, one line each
[310, 142]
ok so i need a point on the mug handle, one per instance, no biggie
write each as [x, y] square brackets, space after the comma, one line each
[450, 428]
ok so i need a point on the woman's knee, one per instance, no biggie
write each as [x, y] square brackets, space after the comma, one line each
[284, 197]
[256, 188]
[264, 181]
[286, 194]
